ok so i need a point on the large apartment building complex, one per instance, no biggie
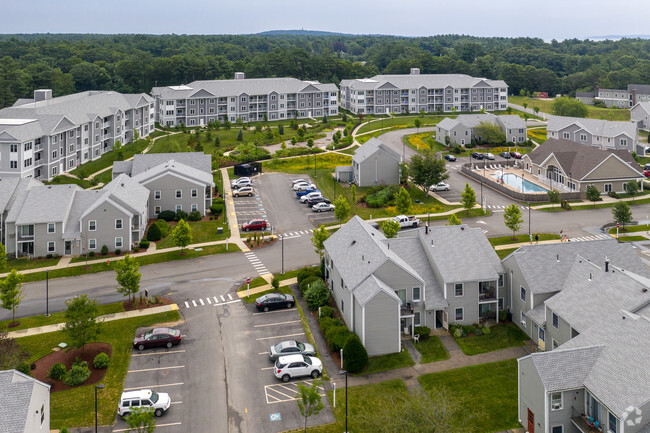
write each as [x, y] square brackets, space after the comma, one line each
[44, 137]
[413, 93]
[200, 102]
[621, 98]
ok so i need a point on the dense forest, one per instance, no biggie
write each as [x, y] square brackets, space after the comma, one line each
[136, 63]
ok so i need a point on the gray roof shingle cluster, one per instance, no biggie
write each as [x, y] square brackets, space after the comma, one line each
[372, 146]
[596, 127]
[16, 391]
[146, 161]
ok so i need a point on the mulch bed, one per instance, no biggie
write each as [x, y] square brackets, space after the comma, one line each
[136, 305]
[336, 356]
[68, 357]
[253, 245]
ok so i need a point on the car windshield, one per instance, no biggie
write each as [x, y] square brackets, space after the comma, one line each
[148, 334]
[301, 346]
[154, 397]
[306, 359]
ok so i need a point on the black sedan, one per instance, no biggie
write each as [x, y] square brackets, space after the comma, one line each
[273, 301]
[449, 157]
[477, 155]
[313, 201]
[505, 155]
[157, 337]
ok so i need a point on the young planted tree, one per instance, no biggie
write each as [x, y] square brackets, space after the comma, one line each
[217, 140]
[11, 292]
[553, 196]
[81, 323]
[353, 195]
[309, 400]
[141, 420]
[390, 227]
[593, 194]
[417, 122]
[182, 234]
[513, 218]
[402, 201]
[454, 220]
[318, 239]
[280, 129]
[468, 198]
[127, 275]
[622, 213]
[240, 135]
[632, 187]
[341, 209]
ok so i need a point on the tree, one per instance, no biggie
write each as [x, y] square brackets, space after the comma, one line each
[553, 196]
[309, 400]
[417, 122]
[454, 220]
[427, 170]
[294, 140]
[217, 140]
[536, 110]
[403, 172]
[593, 194]
[468, 198]
[280, 129]
[390, 227]
[3, 257]
[11, 293]
[570, 107]
[353, 194]
[318, 239]
[142, 420]
[489, 133]
[622, 214]
[11, 353]
[525, 104]
[182, 234]
[632, 187]
[513, 218]
[325, 118]
[341, 209]
[402, 201]
[128, 276]
[240, 135]
[355, 356]
[81, 323]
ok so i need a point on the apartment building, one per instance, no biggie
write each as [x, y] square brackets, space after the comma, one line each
[253, 99]
[462, 129]
[604, 134]
[25, 403]
[621, 98]
[44, 137]
[415, 92]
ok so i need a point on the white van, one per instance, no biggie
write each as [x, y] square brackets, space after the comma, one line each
[159, 402]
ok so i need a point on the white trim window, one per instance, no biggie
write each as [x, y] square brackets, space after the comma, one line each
[416, 294]
[523, 294]
[51, 247]
[194, 207]
[557, 429]
[119, 242]
[157, 195]
[92, 244]
[156, 210]
[179, 207]
[179, 193]
[458, 314]
[458, 290]
[556, 321]
[556, 401]
[92, 225]
[194, 193]
[51, 227]
[119, 224]
[554, 344]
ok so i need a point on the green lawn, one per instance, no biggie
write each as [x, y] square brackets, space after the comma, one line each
[599, 205]
[505, 240]
[75, 407]
[107, 159]
[546, 105]
[632, 238]
[504, 253]
[202, 231]
[23, 264]
[305, 164]
[41, 320]
[501, 337]
[485, 395]
[427, 120]
[391, 361]
[431, 350]
[627, 229]
[351, 150]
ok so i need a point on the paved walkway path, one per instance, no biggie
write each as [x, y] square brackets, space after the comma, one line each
[230, 211]
[254, 291]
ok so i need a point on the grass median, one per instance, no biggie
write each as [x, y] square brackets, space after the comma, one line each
[41, 320]
[506, 240]
[75, 407]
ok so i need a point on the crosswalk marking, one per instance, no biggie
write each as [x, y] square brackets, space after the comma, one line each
[229, 297]
[209, 301]
[256, 263]
[223, 299]
[216, 301]
[187, 305]
[201, 301]
[194, 302]
[590, 238]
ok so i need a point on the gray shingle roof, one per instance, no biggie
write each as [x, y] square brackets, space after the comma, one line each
[447, 123]
[19, 196]
[128, 192]
[173, 166]
[369, 288]
[120, 167]
[83, 200]
[431, 81]
[639, 88]
[579, 159]
[512, 121]
[474, 120]
[7, 187]
[545, 274]
[563, 369]
[15, 396]
[50, 203]
[146, 161]
[538, 314]
[585, 94]
[598, 127]
[645, 105]
[372, 146]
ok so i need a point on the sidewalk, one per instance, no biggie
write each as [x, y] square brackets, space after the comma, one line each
[244, 293]
[106, 318]
[230, 211]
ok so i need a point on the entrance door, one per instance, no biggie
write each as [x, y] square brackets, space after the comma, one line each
[531, 421]
[541, 339]
[68, 248]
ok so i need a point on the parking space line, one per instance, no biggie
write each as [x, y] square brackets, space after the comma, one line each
[156, 368]
[267, 368]
[201, 301]
[157, 425]
[286, 395]
[275, 324]
[280, 336]
[158, 353]
[155, 386]
[263, 353]
[273, 312]
[193, 302]
[176, 402]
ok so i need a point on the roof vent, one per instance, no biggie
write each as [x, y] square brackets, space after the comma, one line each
[353, 242]
[644, 290]
[589, 276]
[557, 257]
[362, 257]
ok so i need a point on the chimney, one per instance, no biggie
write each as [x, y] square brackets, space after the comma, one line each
[42, 95]
[239, 76]
[606, 264]
[415, 71]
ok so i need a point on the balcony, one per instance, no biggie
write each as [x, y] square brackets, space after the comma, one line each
[407, 309]
[584, 425]
[487, 291]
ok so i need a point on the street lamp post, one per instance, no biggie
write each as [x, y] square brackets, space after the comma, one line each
[282, 244]
[100, 386]
[529, 219]
[47, 293]
[346, 398]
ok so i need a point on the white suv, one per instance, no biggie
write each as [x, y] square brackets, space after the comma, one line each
[158, 402]
[309, 196]
[290, 366]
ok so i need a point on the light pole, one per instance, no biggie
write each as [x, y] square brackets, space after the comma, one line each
[529, 219]
[47, 293]
[346, 398]
[282, 244]
[100, 386]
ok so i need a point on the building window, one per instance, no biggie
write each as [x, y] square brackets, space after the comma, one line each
[500, 280]
[459, 314]
[92, 225]
[194, 193]
[179, 193]
[28, 146]
[557, 429]
[623, 142]
[566, 135]
[523, 319]
[458, 289]
[556, 321]
[554, 344]
[13, 148]
[51, 246]
[92, 244]
[613, 423]
[51, 227]
[342, 306]
[416, 319]
[501, 303]
[13, 164]
[556, 400]
[118, 242]
[157, 195]
[179, 207]
[156, 210]
[194, 207]
[54, 154]
[583, 137]
[416, 293]
[118, 224]
[608, 187]
[523, 294]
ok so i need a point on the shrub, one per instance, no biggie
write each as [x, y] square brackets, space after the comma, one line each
[23, 367]
[118, 252]
[166, 215]
[164, 227]
[57, 371]
[381, 196]
[77, 375]
[181, 215]
[355, 356]
[423, 331]
[306, 283]
[216, 209]
[153, 234]
[144, 244]
[486, 330]
[64, 430]
[195, 215]
[503, 315]
[612, 194]
[49, 256]
[104, 250]
[336, 337]
[91, 254]
[326, 311]
[317, 296]
[101, 360]
[218, 200]
[308, 272]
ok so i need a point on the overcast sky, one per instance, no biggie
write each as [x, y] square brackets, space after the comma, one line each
[548, 19]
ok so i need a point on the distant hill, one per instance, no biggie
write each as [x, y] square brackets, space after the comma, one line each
[301, 32]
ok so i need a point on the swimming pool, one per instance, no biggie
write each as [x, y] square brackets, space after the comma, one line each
[515, 181]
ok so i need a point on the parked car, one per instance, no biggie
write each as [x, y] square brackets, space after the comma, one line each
[290, 366]
[515, 155]
[304, 186]
[158, 401]
[488, 155]
[241, 179]
[477, 155]
[241, 183]
[646, 173]
[157, 337]
[407, 221]
[291, 347]
[244, 190]
[439, 187]
[310, 195]
[322, 207]
[272, 301]
[449, 157]
[254, 225]
[300, 193]
[505, 155]
[295, 181]
[316, 200]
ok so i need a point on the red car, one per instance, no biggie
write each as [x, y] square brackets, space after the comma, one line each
[647, 173]
[157, 337]
[515, 155]
[254, 225]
